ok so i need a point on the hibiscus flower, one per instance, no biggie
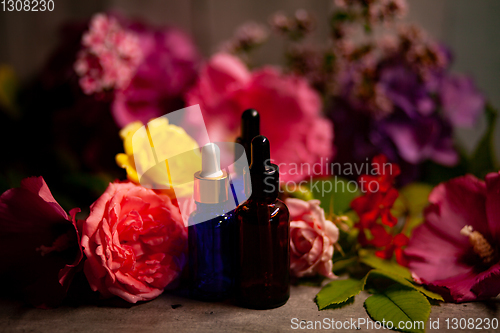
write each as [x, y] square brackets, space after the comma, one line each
[455, 251]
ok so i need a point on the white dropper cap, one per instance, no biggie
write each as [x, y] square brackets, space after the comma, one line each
[210, 161]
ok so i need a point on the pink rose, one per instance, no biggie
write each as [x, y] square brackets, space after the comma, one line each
[311, 239]
[135, 243]
[39, 245]
[289, 108]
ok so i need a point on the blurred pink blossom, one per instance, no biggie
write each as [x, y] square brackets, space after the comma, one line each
[148, 69]
[110, 55]
[169, 68]
[289, 108]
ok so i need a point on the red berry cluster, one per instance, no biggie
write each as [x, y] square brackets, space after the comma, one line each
[374, 210]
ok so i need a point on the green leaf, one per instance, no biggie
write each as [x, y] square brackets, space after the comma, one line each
[416, 197]
[482, 160]
[377, 273]
[336, 190]
[300, 192]
[338, 291]
[341, 264]
[398, 304]
[349, 301]
[411, 223]
[385, 265]
[430, 294]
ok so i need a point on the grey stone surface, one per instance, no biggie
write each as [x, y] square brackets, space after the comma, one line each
[165, 315]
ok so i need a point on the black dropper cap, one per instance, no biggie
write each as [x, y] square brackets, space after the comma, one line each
[264, 175]
[250, 128]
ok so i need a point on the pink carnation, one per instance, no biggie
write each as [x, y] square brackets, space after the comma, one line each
[147, 68]
[311, 239]
[135, 243]
[289, 108]
[110, 55]
[455, 251]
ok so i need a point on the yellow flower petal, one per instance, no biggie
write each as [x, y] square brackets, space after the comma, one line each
[175, 151]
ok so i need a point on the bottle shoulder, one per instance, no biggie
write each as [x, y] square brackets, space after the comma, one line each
[282, 206]
[257, 210]
[214, 213]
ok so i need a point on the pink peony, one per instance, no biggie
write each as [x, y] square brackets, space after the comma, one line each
[135, 243]
[39, 245]
[289, 108]
[311, 239]
[456, 250]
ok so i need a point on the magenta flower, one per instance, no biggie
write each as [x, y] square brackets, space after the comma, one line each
[456, 250]
[289, 108]
[39, 243]
[168, 70]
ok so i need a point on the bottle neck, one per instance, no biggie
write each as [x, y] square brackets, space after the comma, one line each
[259, 197]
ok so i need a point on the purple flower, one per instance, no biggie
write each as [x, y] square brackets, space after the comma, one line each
[455, 251]
[387, 107]
[413, 146]
[406, 91]
[462, 103]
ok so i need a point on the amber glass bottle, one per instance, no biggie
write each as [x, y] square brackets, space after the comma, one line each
[263, 257]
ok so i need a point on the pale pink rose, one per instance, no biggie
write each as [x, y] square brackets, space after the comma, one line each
[290, 112]
[135, 243]
[312, 238]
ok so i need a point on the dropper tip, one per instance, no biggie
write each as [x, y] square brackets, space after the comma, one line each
[250, 124]
[210, 161]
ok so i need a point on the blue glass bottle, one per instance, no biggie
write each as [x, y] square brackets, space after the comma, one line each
[211, 252]
[211, 231]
